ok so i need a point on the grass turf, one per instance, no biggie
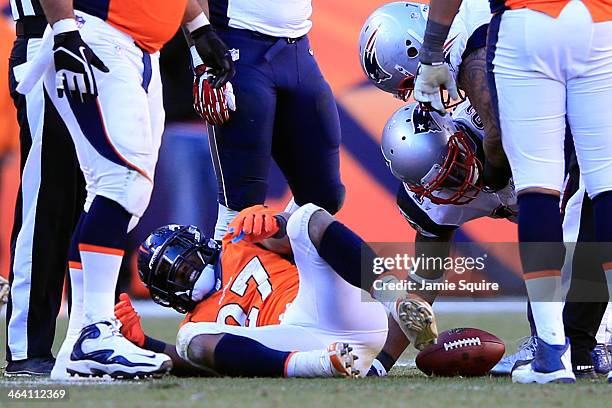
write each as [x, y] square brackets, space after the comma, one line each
[405, 387]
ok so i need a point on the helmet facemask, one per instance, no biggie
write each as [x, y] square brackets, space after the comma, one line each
[458, 180]
[176, 268]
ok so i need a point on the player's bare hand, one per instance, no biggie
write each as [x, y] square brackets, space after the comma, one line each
[74, 64]
[131, 327]
[429, 82]
[254, 224]
[214, 54]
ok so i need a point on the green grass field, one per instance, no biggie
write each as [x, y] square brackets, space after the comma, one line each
[405, 387]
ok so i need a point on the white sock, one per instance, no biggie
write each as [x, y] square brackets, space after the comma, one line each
[100, 273]
[601, 335]
[224, 217]
[309, 364]
[547, 308]
[75, 324]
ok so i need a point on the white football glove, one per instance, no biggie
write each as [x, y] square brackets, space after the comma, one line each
[429, 79]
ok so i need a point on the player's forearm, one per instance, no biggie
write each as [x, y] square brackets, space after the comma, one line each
[279, 243]
[192, 11]
[56, 10]
[473, 80]
[441, 16]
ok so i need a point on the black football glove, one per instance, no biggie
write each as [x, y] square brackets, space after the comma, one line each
[214, 54]
[73, 66]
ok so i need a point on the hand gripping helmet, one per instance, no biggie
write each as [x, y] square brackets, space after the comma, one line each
[170, 262]
[389, 46]
[432, 155]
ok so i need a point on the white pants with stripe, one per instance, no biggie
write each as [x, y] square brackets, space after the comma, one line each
[546, 69]
[118, 140]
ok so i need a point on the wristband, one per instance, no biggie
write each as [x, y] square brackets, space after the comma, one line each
[64, 26]
[153, 345]
[196, 60]
[282, 227]
[432, 52]
[200, 21]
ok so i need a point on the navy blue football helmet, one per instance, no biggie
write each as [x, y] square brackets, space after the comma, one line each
[170, 262]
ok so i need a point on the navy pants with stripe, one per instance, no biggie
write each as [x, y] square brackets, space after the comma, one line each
[286, 112]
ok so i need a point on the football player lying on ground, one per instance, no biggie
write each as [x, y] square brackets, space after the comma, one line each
[269, 301]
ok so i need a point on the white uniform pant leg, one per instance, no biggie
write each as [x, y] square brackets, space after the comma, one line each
[531, 100]
[117, 140]
[332, 308]
[589, 98]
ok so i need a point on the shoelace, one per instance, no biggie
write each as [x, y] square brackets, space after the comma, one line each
[527, 348]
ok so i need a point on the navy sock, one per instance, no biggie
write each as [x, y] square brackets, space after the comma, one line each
[532, 326]
[239, 356]
[348, 255]
[602, 213]
[540, 223]
[73, 250]
[105, 224]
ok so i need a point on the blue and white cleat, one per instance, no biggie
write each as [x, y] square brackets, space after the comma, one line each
[524, 353]
[550, 364]
[602, 360]
[101, 350]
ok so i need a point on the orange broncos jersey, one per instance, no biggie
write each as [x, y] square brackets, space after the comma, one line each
[601, 10]
[151, 23]
[257, 287]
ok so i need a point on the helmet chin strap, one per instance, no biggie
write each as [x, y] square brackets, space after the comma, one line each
[205, 284]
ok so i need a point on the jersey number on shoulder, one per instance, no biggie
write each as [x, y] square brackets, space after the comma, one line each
[253, 271]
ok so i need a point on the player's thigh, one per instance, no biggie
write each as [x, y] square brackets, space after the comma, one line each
[307, 141]
[589, 98]
[532, 119]
[530, 95]
[325, 300]
[242, 148]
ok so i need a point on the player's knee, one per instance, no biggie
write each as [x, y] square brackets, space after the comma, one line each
[130, 189]
[319, 221]
[332, 199]
[298, 226]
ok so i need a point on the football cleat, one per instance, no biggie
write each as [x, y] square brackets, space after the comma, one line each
[417, 320]
[31, 367]
[551, 363]
[101, 350]
[342, 360]
[377, 369]
[524, 353]
[63, 357]
[602, 359]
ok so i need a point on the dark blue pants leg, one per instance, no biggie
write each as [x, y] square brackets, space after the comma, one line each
[307, 134]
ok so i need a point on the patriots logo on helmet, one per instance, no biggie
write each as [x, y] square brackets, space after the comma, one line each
[370, 61]
[423, 122]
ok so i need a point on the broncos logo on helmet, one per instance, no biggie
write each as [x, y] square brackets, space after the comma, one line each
[370, 61]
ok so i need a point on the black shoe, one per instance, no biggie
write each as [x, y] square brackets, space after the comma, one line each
[31, 367]
[585, 372]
